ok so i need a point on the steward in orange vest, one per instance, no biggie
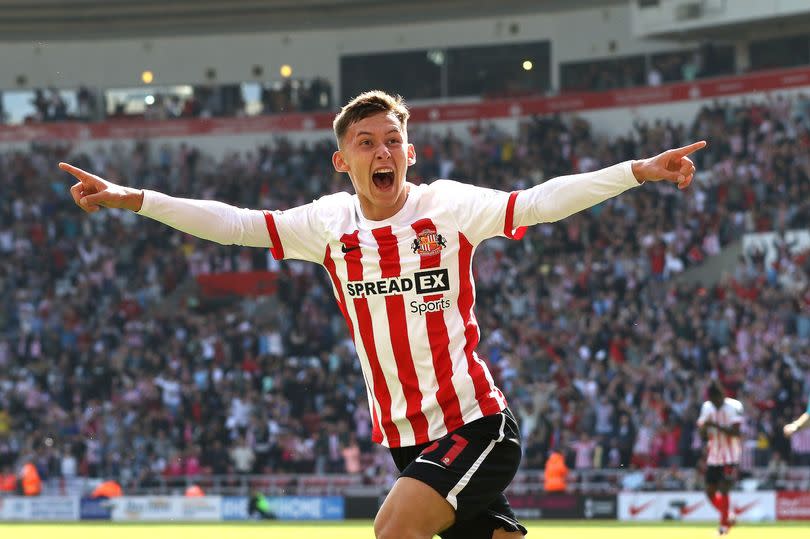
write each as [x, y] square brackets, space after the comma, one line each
[194, 491]
[31, 483]
[556, 473]
[107, 489]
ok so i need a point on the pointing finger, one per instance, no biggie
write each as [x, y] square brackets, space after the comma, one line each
[691, 148]
[78, 173]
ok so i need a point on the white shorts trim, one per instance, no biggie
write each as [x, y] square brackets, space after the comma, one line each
[452, 496]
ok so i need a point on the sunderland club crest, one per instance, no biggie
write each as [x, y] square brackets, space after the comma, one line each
[428, 243]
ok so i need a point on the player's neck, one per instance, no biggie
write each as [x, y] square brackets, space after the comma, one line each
[379, 212]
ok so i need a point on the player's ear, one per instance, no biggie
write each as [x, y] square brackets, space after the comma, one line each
[411, 155]
[339, 163]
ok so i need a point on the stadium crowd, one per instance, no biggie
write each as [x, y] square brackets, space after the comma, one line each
[601, 350]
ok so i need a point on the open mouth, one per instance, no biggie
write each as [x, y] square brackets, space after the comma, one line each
[383, 178]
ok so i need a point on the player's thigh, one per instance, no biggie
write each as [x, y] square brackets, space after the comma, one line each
[713, 477]
[412, 509]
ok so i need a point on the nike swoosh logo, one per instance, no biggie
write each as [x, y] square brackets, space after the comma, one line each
[349, 249]
[636, 509]
[687, 509]
[420, 459]
[740, 509]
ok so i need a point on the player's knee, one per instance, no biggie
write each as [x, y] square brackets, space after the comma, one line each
[385, 527]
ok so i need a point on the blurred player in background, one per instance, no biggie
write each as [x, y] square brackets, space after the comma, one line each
[400, 259]
[800, 423]
[719, 423]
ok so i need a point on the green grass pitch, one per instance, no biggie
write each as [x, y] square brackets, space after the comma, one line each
[363, 530]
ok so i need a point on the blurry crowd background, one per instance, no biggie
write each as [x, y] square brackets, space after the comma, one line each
[602, 352]
[165, 103]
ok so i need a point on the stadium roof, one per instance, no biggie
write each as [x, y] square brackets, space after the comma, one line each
[24, 20]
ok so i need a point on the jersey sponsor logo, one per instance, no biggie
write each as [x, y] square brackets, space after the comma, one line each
[422, 282]
[428, 243]
[430, 306]
[348, 249]
[432, 281]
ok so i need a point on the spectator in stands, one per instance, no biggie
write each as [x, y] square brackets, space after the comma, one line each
[242, 456]
[584, 451]
[555, 476]
[86, 103]
[654, 76]
[41, 105]
[351, 455]
[8, 480]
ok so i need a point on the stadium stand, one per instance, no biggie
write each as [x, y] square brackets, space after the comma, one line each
[586, 324]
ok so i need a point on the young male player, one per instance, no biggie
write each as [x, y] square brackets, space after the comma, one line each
[719, 423]
[400, 259]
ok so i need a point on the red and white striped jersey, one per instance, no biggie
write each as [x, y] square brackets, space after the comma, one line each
[405, 287]
[723, 448]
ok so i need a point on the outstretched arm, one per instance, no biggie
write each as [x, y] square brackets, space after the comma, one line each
[802, 422]
[560, 197]
[206, 219]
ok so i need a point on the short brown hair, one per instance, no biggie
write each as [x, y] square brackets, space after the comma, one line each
[368, 104]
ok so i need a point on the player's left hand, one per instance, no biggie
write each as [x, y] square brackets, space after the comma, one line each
[92, 193]
[672, 165]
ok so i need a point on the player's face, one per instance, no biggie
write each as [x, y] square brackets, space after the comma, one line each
[376, 154]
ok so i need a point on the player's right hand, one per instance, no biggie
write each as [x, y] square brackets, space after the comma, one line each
[789, 429]
[91, 193]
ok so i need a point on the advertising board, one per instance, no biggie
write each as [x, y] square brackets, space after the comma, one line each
[694, 506]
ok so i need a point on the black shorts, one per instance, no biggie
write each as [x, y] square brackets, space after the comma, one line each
[470, 467]
[716, 474]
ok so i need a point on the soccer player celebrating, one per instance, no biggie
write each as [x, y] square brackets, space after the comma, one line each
[399, 257]
[791, 428]
[719, 423]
